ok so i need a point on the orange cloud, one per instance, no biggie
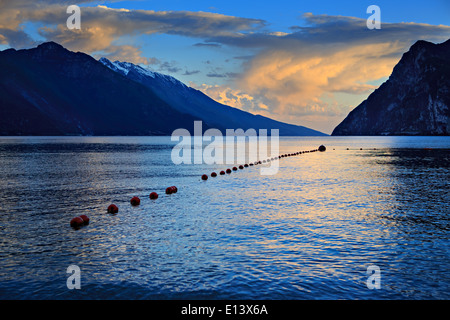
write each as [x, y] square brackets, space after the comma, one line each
[296, 85]
[292, 80]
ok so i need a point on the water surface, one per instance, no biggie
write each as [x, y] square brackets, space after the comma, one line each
[308, 232]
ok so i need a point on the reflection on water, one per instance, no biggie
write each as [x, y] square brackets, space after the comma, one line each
[309, 232]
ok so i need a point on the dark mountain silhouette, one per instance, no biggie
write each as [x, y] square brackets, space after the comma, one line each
[50, 90]
[415, 100]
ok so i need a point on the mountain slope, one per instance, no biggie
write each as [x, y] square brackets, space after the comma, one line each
[49, 90]
[415, 100]
[194, 102]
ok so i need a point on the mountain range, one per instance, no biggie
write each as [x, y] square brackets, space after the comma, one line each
[49, 90]
[415, 100]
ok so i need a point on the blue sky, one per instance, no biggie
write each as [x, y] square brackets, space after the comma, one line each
[279, 15]
[284, 13]
[302, 62]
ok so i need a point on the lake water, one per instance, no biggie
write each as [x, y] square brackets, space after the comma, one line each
[309, 232]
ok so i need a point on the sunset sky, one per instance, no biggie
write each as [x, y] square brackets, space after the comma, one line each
[302, 62]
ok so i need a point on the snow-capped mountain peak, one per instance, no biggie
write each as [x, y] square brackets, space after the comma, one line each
[124, 68]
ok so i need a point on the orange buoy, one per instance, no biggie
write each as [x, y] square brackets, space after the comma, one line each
[174, 189]
[222, 173]
[228, 170]
[322, 148]
[85, 219]
[246, 165]
[76, 222]
[113, 209]
[204, 177]
[234, 168]
[135, 201]
[241, 167]
[213, 174]
[153, 196]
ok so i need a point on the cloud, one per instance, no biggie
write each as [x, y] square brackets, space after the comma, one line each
[211, 45]
[16, 38]
[101, 26]
[232, 97]
[126, 53]
[329, 56]
[216, 75]
[190, 73]
[297, 77]
[223, 75]
[169, 66]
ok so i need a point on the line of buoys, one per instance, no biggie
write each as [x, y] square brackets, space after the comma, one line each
[321, 148]
[135, 201]
[82, 220]
[355, 149]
